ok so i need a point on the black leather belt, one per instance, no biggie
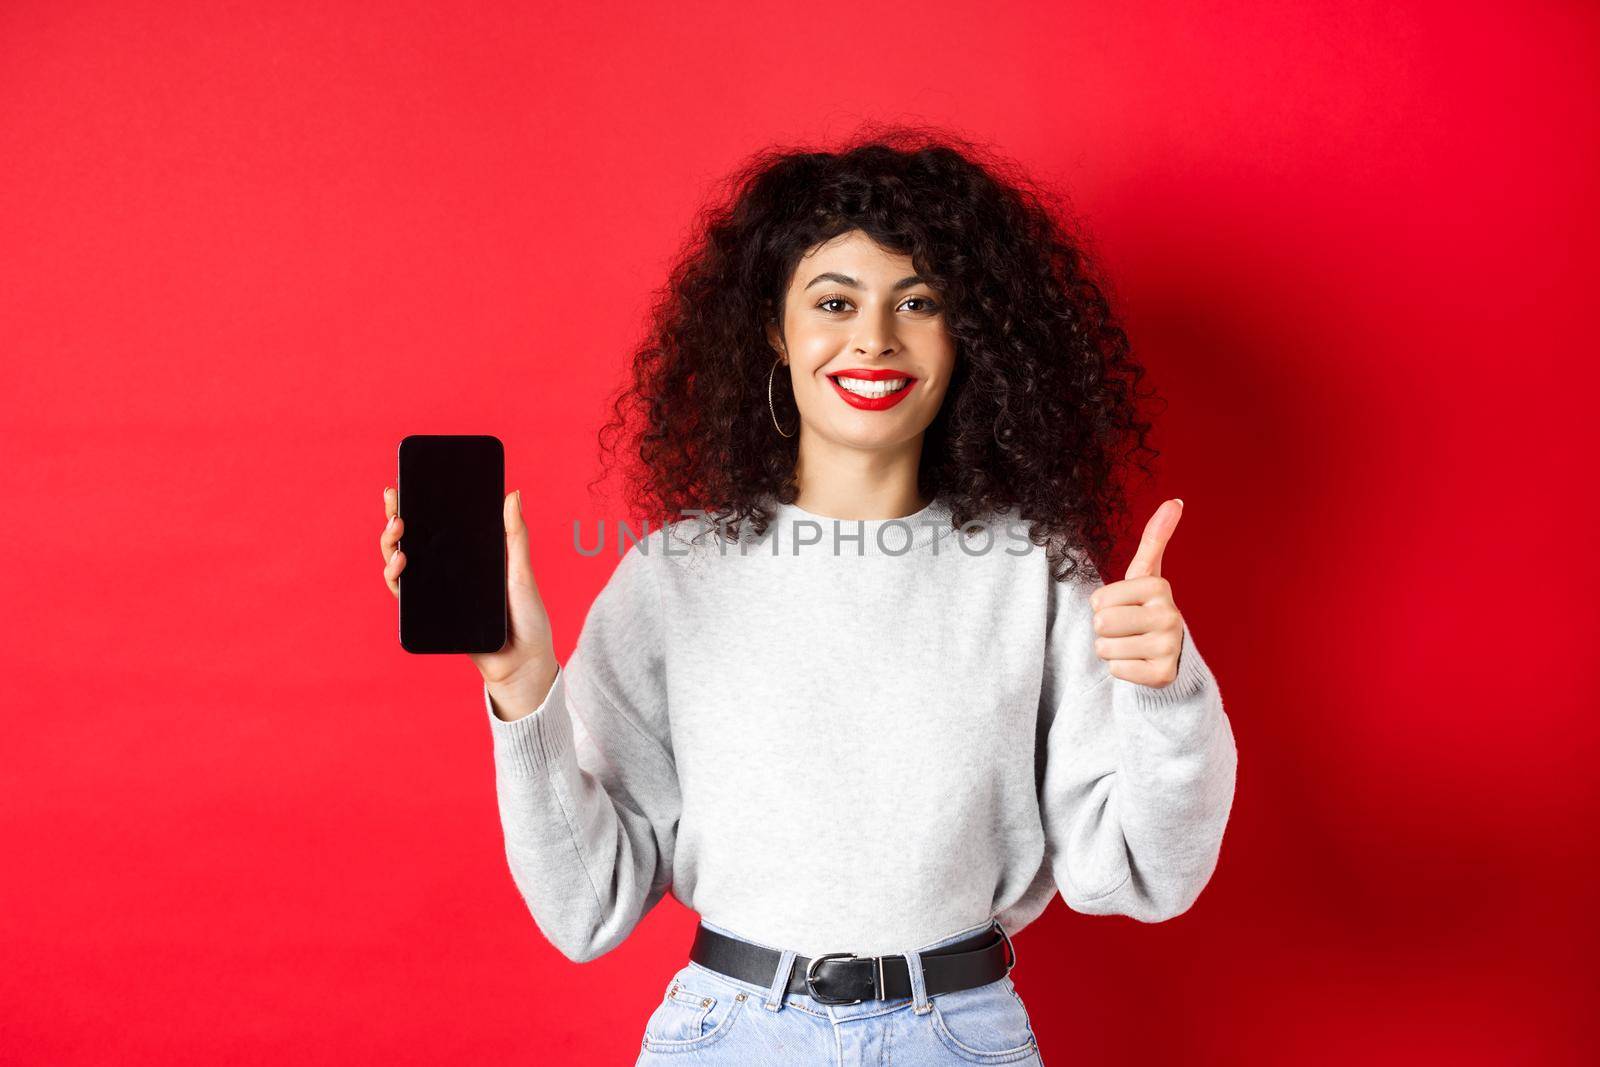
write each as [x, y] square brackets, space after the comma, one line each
[845, 978]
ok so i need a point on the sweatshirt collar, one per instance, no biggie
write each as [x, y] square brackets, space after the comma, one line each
[878, 537]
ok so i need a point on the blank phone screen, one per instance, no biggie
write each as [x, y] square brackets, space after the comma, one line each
[451, 500]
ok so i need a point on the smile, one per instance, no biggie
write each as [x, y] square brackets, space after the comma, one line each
[881, 391]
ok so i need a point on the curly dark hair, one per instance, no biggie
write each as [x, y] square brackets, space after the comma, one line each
[1042, 413]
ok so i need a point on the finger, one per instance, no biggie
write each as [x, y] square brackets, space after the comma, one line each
[1124, 620]
[391, 515]
[1149, 646]
[1131, 591]
[1139, 670]
[519, 570]
[390, 536]
[392, 569]
[1157, 532]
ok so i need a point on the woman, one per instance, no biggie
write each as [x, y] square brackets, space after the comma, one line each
[870, 708]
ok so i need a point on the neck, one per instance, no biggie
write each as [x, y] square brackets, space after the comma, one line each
[853, 483]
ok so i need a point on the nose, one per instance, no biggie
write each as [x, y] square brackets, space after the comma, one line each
[876, 338]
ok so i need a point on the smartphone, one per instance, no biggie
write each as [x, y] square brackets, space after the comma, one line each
[452, 505]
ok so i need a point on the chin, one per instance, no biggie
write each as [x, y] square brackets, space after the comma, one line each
[852, 437]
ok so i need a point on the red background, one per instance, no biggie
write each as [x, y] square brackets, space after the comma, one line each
[247, 248]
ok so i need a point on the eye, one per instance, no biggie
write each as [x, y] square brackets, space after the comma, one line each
[929, 304]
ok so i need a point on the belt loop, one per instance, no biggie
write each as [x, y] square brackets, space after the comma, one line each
[1011, 950]
[780, 983]
[919, 988]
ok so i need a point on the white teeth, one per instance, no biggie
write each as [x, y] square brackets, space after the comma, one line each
[873, 389]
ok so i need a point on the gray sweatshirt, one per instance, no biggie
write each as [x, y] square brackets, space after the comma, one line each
[855, 736]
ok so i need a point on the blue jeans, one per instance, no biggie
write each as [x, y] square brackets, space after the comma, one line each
[706, 1017]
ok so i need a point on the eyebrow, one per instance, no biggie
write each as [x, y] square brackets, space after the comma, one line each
[845, 279]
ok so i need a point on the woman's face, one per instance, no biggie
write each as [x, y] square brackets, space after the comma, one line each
[866, 345]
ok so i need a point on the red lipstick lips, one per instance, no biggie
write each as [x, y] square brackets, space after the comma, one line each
[880, 374]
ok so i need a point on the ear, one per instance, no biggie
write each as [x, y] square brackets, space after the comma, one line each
[774, 338]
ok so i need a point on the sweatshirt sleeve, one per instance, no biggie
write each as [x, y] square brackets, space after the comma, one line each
[586, 784]
[1138, 780]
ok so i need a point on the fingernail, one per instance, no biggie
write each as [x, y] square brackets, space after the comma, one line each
[390, 524]
[519, 503]
[1179, 499]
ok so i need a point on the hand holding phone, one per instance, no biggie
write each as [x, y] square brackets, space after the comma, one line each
[519, 673]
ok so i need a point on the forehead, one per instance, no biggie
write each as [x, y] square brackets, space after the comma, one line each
[857, 252]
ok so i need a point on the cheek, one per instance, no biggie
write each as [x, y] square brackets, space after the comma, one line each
[939, 355]
[933, 394]
[812, 352]
[940, 371]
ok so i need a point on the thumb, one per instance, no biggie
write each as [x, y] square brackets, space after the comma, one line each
[519, 570]
[530, 622]
[1147, 560]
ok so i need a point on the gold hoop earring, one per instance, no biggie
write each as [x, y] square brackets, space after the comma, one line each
[770, 406]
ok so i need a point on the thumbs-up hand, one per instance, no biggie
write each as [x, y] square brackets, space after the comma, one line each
[1139, 626]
